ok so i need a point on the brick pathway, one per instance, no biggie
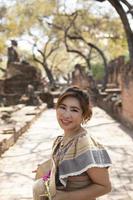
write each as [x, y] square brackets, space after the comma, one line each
[16, 164]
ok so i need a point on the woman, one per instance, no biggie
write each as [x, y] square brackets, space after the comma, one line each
[79, 164]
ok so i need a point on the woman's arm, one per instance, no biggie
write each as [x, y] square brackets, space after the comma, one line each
[101, 185]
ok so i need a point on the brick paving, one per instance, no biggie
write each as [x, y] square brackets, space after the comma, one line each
[16, 164]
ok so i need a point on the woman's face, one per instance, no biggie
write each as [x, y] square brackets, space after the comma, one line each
[69, 114]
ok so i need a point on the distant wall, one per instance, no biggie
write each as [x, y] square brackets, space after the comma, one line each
[114, 68]
[127, 95]
[119, 104]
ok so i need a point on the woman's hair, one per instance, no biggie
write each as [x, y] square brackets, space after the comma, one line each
[81, 96]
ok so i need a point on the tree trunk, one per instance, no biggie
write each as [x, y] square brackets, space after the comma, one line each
[49, 74]
[129, 34]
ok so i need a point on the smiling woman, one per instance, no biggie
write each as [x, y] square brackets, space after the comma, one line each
[69, 115]
[79, 168]
[78, 100]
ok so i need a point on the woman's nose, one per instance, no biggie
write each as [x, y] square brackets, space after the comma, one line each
[67, 113]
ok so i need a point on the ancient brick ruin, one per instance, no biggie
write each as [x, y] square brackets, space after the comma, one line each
[117, 98]
[16, 79]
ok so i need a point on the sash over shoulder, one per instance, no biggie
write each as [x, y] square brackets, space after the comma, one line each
[83, 153]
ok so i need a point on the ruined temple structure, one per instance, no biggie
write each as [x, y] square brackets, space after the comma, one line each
[127, 95]
[16, 79]
[19, 75]
[79, 77]
[85, 81]
[117, 98]
[12, 53]
[111, 99]
[114, 69]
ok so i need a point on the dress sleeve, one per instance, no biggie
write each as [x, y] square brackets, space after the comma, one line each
[85, 153]
[91, 153]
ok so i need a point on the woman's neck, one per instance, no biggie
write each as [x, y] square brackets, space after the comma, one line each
[76, 131]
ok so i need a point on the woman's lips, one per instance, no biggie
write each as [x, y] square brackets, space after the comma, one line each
[65, 122]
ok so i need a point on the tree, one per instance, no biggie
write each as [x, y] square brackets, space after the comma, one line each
[118, 5]
[88, 30]
[43, 58]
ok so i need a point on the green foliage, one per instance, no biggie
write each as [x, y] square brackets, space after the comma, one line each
[98, 71]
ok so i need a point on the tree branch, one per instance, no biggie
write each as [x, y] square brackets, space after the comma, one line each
[73, 50]
[3, 70]
[51, 51]
[117, 5]
[129, 6]
[34, 56]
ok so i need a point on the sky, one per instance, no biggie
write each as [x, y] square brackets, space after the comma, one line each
[71, 5]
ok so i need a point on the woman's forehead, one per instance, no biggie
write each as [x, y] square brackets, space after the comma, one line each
[71, 101]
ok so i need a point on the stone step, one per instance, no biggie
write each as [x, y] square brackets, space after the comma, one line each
[113, 90]
[21, 121]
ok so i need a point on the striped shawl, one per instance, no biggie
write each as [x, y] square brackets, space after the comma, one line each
[79, 154]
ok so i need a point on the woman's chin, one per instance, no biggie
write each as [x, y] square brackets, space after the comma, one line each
[65, 127]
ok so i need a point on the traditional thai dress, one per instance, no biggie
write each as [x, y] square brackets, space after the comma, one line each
[71, 161]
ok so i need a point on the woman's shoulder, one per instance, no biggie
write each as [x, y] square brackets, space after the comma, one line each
[91, 150]
[87, 140]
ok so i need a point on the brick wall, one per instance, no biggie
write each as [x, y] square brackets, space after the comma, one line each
[1, 86]
[122, 109]
[114, 71]
[127, 102]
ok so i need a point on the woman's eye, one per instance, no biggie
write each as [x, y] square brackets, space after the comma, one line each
[73, 110]
[62, 107]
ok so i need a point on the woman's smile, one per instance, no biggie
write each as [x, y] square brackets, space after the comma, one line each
[65, 122]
